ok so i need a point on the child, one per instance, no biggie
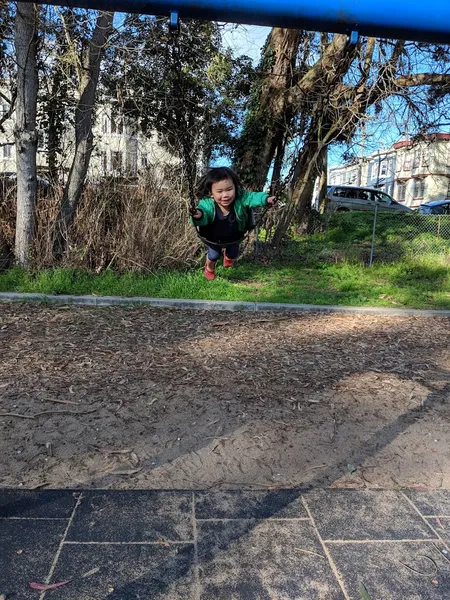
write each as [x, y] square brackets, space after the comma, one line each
[223, 214]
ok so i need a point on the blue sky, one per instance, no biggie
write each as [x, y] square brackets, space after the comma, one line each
[246, 39]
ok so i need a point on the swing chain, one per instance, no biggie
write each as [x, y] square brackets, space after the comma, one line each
[174, 28]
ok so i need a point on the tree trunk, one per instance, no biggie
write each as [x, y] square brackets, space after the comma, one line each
[269, 115]
[324, 127]
[323, 182]
[25, 132]
[84, 112]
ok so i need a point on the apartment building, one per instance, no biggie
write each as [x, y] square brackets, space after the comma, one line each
[119, 149]
[413, 172]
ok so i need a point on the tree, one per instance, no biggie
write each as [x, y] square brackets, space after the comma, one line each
[335, 86]
[268, 118]
[26, 40]
[88, 68]
[185, 87]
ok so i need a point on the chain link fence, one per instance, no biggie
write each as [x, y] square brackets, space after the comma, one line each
[375, 236]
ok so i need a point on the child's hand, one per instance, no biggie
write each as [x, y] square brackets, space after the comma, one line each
[197, 215]
[271, 201]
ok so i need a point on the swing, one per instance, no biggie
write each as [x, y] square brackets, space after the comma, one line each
[202, 232]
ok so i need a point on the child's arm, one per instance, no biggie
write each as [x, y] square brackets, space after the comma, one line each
[204, 213]
[256, 199]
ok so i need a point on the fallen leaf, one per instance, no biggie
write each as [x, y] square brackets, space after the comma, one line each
[43, 587]
[363, 591]
[125, 471]
[91, 572]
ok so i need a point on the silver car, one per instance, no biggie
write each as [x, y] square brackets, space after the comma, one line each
[347, 197]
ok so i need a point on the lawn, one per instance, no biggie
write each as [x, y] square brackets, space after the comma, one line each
[418, 284]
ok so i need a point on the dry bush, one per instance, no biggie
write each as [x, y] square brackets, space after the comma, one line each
[140, 227]
[7, 223]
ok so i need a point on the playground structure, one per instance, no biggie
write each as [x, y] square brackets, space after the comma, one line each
[402, 19]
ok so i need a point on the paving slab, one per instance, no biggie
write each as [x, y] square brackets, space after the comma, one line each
[126, 572]
[393, 571]
[349, 514]
[48, 504]
[244, 504]
[27, 551]
[133, 516]
[431, 503]
[263, 559]
[299, 544]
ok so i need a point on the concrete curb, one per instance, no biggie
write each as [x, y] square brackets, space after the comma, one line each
[216, 305]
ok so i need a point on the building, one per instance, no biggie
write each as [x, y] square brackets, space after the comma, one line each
[119, 149]
[413, 172]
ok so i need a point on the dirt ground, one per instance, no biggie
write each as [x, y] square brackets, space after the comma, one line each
[155, 398]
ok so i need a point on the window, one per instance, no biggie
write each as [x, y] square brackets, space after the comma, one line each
[340, 193]
[416, 161]
[401, 191]
[419, 188]
[382, 198]
[104, 161]
[383, 169]
[425, 157]
[448, 189]
[399, 163]
[407, 162]
[42, 140]
[131, 162]
[7, 151]
[116, 124]
[116, 160]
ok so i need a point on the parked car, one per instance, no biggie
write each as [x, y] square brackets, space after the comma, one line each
[12, 177]
[437, 207]
[346, 197]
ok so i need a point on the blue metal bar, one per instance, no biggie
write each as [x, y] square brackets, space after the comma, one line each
[174, 22]
[427, 21]
[353, 38]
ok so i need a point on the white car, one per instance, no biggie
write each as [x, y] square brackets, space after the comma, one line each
[347, 197]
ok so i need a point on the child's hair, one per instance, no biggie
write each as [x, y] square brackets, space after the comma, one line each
[215, 175]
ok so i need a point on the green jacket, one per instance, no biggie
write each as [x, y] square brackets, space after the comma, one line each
[241, 205]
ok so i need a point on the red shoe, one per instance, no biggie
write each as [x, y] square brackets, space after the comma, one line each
[227, 262]
[209, 274]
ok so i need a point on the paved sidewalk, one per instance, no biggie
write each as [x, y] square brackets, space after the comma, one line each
[286, 544]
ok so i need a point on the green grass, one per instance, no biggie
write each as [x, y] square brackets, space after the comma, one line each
[411, 269]
[419, 284]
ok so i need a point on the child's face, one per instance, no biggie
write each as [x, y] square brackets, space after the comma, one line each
[223, 192]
